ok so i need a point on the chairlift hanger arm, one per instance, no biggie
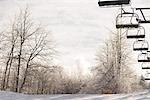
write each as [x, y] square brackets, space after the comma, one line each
[126, 12]
[142, 14]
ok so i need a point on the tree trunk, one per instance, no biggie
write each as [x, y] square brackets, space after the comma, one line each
[18, 68]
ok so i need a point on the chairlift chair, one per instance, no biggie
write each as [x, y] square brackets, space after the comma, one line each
[113, 2]
[127, 20]
[136, 33]
[145, 65]
[140, 45]
[143, 57]
[144, 78]
[147, 76]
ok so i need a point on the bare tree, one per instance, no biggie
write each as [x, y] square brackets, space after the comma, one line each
[113, 67]
[29, 44]
[27, 60]
[32, 43]
[36, 48]
[11, 41]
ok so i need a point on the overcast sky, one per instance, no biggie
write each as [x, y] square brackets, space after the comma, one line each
[78, 26]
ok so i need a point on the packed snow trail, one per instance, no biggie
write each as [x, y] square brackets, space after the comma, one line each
[145, 95]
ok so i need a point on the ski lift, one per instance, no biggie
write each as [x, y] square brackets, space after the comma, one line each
[143, 78]
[144, 57]
[136, 33]
[147, 76]
[127, 20]
[140, 45]
[113, 2]
[145, 65]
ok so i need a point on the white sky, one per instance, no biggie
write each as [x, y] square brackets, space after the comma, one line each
[78, 26]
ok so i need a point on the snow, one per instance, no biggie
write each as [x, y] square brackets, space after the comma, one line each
[143, 95]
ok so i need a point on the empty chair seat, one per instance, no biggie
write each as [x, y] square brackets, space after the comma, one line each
[143, 57]
[134, 33]
[147, 78]
[135, 36]
[145, 65]
[113, 2]
[143, 60]
[127, 25]
[140, 45]
[127, 20]
[145, 75]
[144, 22]
[140, 49]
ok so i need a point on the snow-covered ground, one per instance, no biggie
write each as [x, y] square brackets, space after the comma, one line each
[144, 95]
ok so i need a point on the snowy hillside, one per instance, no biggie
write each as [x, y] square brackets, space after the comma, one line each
[145, 95]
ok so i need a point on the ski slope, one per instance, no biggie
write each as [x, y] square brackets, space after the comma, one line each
[144, 95]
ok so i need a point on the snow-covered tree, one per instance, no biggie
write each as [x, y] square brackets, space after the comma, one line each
[113, 72]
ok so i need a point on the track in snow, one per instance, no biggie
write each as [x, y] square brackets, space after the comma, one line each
[145, 95]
